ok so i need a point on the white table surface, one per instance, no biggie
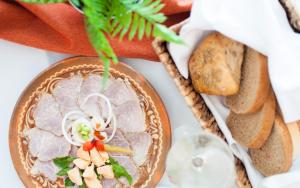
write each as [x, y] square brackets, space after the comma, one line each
[20, 64]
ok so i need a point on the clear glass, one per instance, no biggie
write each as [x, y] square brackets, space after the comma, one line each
[200, 160]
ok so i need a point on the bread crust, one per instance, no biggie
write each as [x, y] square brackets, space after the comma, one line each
[287, 151]
[268, 119]
[263, 87]
[257, 139]
[261, 93]
[210, 69]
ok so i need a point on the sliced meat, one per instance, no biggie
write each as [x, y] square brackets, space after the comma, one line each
[118, 92]
[92, 84]
[118, 140]
[131, 168]
[140, 143]
[45, 145]
[46, 168]
[130, 117]
[103, 108]
[109, 183]
[73, 151]
[66, 93]
[47, 115]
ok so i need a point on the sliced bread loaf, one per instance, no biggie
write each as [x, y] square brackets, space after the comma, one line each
[215, 65]
[275, 156]
[252, 130]
[255, 84]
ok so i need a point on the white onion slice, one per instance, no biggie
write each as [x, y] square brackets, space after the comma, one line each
[63, 126]
[98, 119]
[114, 130]
[107, 102]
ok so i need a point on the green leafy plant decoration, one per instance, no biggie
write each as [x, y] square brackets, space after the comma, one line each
[44, 1]
[112, 18]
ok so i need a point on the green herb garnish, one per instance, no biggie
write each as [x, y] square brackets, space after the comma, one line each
[119, 171]
[83, 185]
[44, 1]
[68, 182]
[111, 18]
[63, 171]
[63, 162]
[84, 131]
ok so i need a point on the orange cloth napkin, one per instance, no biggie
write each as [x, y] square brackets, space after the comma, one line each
[60, 28]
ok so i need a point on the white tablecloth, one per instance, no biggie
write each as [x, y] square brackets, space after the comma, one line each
[20, 64]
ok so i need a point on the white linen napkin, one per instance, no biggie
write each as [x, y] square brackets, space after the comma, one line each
[262, 25]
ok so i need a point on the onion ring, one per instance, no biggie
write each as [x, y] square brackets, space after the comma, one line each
[63, 126]
[114, 130]
[108, 105]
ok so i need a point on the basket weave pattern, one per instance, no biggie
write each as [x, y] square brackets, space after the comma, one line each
[196, 102]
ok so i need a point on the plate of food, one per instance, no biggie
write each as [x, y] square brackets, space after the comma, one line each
[72, 128]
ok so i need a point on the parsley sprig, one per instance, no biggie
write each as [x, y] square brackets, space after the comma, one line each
[63, 163]
[118, 18]
[119, 170]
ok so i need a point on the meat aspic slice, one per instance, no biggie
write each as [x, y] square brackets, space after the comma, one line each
[118, 92]
[110, 183]
[130, 117]
[91, 84]
[47, 115]
[118, 140]
[140, 144]
[46, 168]
[45, 145]
[66, 93]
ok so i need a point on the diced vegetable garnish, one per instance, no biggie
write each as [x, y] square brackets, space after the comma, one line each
[65, 128]
[77, 174]
[74, 175]
[99, 145]
[84, 131]
[98, 135]
[88, 145]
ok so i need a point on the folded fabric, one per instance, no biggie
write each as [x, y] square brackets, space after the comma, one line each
[262, 25]
[285, 180]
[60, 28]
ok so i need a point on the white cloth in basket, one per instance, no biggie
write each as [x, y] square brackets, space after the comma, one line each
[262, 25]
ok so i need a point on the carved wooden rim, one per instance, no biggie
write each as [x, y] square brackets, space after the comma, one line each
[157, 121]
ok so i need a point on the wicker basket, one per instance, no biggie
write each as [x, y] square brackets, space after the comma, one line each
[195, 101]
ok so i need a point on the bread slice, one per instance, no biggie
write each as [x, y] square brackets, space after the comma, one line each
[215, 66]
[275, 156]
[255, 84]
[294, 130]
[252, 130]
